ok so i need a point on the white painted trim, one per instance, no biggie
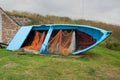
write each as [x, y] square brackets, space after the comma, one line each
[72, 45]
[0, 27]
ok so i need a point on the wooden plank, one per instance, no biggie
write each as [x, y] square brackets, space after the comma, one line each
[45, 43]
[19, 38]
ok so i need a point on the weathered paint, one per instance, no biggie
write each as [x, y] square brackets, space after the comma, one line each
[19, 38]
[43, 49]
[0, 27]
[72, 45]
[98, 34]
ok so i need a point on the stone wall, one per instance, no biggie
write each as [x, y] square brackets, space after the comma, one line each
[9, 28]
[21, 20]
[0, 28]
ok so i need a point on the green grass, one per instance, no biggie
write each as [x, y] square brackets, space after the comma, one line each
[99, 64]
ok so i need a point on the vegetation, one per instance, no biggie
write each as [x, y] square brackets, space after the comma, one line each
[100, 63]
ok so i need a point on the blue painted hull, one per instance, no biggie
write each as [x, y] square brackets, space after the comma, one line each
[98, 34]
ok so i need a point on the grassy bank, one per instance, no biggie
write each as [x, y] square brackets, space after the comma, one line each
[99, 64]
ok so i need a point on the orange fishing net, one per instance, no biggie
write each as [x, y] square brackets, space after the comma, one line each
[37, 42]
[61, 42]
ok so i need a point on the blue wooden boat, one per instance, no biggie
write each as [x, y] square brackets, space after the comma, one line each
[83, 37]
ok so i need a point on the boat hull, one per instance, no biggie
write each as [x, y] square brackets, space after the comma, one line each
[96, 34]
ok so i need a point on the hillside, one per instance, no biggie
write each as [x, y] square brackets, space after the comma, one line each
[112, 43]
[100, 63]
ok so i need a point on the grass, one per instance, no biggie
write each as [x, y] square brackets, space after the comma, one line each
[99, 64]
